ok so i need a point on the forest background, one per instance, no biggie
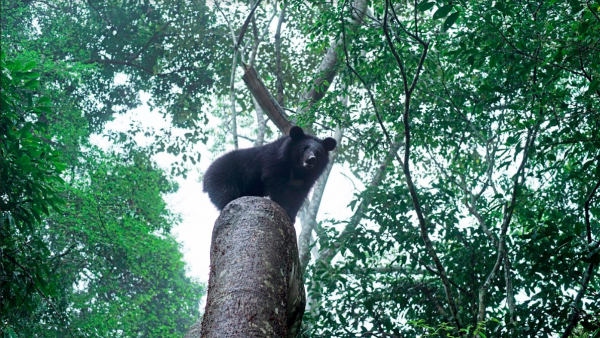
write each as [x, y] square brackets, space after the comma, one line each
[473, 127]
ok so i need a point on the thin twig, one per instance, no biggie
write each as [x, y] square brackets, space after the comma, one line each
[587, 212]
[347, 57]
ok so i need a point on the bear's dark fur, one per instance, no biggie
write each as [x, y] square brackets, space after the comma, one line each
[285, 170]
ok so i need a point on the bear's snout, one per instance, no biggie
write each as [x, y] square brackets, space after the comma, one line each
[310, 160]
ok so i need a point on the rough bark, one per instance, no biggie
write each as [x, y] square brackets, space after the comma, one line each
[255, 288]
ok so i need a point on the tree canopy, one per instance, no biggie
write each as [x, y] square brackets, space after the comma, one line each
[86, 248]
[473, 126]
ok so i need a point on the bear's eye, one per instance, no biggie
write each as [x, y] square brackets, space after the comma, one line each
[305, 149]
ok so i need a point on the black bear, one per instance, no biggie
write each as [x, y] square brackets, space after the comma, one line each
[285, 170]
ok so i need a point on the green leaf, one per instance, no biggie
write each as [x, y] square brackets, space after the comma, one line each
[31, 84]
[425, 5]
[593, 86]
[471, 60]
[43, 100]
[450, 20]
[44, 109]
[442, 12]
[31, 75]
[29, 66]
[500, 8]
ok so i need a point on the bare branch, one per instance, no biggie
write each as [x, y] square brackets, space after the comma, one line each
[327, 255]
[510, 295]
[278, 71]
[326, 70]
[266, 100]
[259, 39]
[574, 318]
[261, 124]
[347, 57]
[232, 99]
[229, 24]
[576, 307]
[406, 168]
[393, 49]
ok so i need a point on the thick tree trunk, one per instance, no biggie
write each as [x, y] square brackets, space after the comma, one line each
[255, 288]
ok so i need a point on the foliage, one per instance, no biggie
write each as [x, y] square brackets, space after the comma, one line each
[116, 269]
[30, 166]
[114, 51]
[30, 171]
[86, 249]
[505, 85]
[486, 219]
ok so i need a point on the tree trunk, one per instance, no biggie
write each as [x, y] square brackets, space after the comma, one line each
[255, 288]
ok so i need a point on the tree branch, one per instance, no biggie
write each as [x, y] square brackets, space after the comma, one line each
[576, 308]
[145, 47]
[372, 98]
[259, 39]
[309, 217]
[245, 26]
[326, 71]
[508, 212]
[587, 212]
[588, 273]
[266, 100]
[510, 296]
[327, 255]
[232, 99]
[278, 71]
[406, 168]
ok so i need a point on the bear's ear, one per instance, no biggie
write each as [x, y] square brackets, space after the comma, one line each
[329, 144]
[296, 133]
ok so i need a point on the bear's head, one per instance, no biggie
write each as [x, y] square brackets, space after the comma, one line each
[309, 153]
